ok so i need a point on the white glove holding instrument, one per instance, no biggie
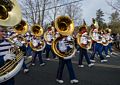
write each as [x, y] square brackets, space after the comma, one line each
[9, 56]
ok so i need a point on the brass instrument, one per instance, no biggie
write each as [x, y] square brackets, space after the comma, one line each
[20, 29]
[94, 26]
[79, 36]
[37, 31]
[64, 25]
[12, 67]
[49, 42]
[86, 46]
[53, 35]
[10, 13]
[66, 54]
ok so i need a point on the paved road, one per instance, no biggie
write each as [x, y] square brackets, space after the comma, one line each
[100, 74]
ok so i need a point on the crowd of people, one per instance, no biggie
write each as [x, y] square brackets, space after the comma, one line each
[99, 42]
[18, 44]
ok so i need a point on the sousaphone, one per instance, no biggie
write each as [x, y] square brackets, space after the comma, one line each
[37, 31]
[65, 26]
[89, 42]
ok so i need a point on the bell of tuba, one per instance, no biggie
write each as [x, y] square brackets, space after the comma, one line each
[10, 13]
[20, 30]
[37, 32]
[64, 25]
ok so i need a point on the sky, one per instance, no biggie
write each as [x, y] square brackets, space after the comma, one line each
[89, 9]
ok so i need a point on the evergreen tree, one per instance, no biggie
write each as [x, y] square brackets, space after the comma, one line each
[114, 23]
[99, 18]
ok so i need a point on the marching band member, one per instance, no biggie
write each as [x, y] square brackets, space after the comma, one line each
[84, 40]
[10, 15]
[19, 42]
[36, 53]
[105, 43]
[28, 37]
[63, 46]
[50, 38]
[110, 39]
[4, 56]
[97, 46]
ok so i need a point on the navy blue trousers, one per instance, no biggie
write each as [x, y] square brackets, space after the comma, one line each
[97, 48]
[48, 49]
[68, 63]
[37, 54]
[83, 53]
[28, 51]
[105, 49]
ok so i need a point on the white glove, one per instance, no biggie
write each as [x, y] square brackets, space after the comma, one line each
[35, 43]
[69, 38]
[9, 57]
[18, 43]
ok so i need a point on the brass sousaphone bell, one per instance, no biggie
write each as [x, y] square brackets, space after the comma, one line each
[20, 29]
[10, 13]
[65, 26]
[37, 30]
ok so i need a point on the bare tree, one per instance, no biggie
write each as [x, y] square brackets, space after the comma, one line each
[115, 4]
[44, 11]
[74, 11]
[52, 13]
[34, 11]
